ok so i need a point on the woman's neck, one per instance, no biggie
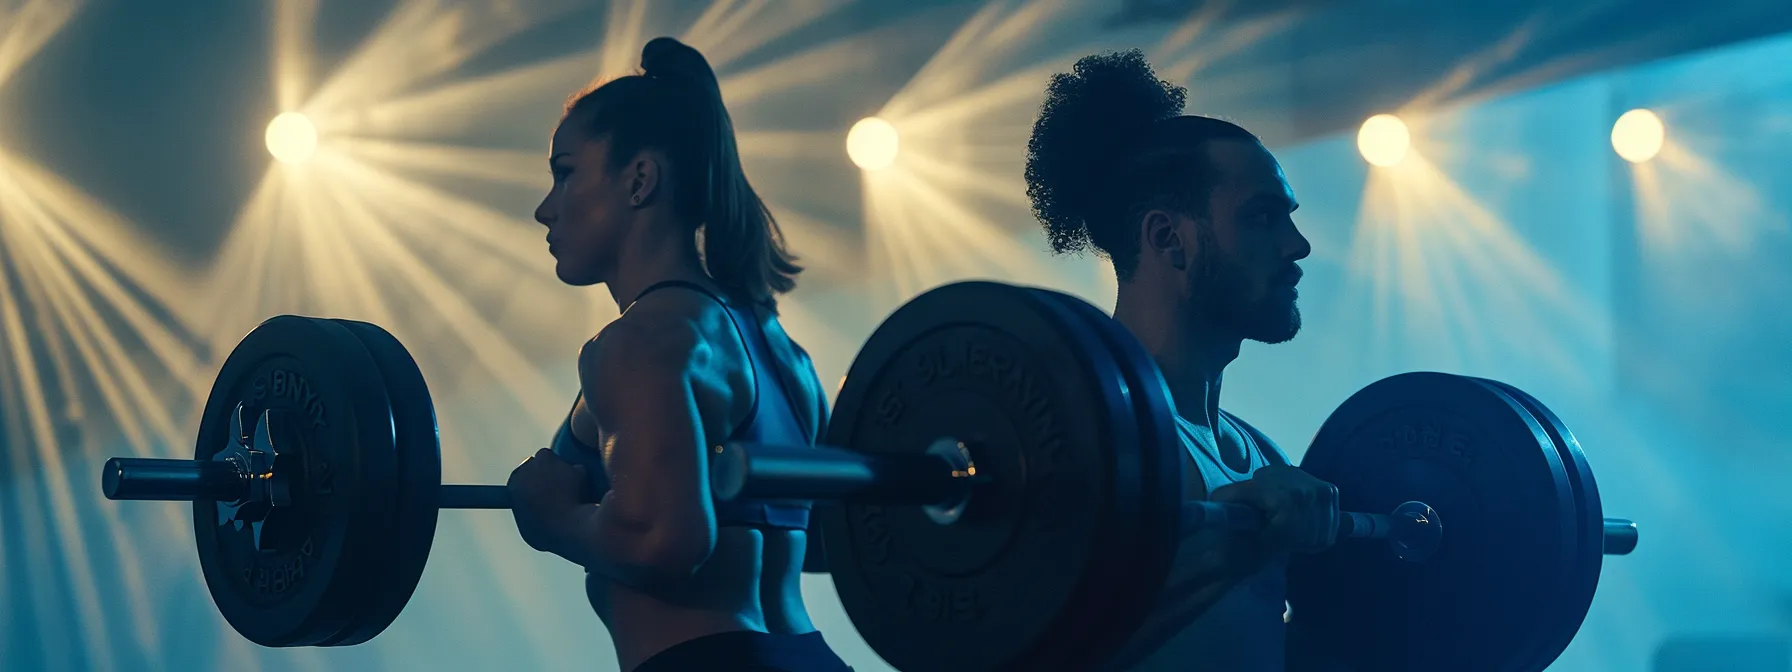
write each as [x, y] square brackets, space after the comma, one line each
[653, 256]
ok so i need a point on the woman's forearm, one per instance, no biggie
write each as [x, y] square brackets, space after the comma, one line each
[629, 552]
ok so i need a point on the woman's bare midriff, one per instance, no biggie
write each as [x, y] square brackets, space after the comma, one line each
[723, 596]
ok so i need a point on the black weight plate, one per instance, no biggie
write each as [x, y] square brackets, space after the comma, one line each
[1158, 473]
[1508, 512]
[1575, 590]
[1014, 583]
[416, 490]
[340, 427]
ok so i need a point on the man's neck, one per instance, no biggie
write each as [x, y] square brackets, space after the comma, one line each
[1192, 354]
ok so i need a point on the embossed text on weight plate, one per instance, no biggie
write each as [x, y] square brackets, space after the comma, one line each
[1429, 438]
[277, 578]
[290, 386]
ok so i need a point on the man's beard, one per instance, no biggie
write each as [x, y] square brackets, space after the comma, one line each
[1223, 292]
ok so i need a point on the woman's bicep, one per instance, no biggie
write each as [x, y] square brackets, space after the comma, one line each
[642, 389]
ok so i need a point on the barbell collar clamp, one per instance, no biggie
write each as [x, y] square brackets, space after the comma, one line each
[1414, 530]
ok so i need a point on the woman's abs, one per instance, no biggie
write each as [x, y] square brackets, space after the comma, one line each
[722, 596]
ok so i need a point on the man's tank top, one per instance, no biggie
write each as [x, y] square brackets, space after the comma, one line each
[773, 420]
[1243, 631]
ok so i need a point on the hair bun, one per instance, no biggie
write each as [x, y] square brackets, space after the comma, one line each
[1103, 107]
[668, 59]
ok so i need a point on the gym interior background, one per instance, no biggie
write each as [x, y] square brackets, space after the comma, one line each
[1632, 276]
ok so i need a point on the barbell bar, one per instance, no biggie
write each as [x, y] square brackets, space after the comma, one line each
[943, 478]
[170, 480]
[315, 486]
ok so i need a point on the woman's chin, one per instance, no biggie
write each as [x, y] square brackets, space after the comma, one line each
[573, 274]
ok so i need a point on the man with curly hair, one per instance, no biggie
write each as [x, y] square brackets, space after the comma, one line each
[1196, 216]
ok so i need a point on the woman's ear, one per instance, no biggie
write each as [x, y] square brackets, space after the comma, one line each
[643, 177]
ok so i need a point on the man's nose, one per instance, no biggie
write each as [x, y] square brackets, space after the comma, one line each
[1300, 248]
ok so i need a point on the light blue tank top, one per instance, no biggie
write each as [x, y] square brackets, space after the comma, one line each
[1243, 631]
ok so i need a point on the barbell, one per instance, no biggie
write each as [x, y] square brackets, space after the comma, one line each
[315, 482]
[1004, 492]
[1007, 495]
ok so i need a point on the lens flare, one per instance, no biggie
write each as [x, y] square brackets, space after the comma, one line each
[1637, 136]
[872, 144]
[1383, 140]
[291, 137]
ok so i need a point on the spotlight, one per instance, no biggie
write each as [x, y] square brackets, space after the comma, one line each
[1638, 135]
[291, 137]
[1383, 140]
[871, 144]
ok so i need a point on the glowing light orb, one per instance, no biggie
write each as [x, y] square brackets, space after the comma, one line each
[1383, 140]
[1638, 135]
[871, 144]
[291, 137]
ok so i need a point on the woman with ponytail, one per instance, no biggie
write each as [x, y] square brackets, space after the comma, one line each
[644, 167]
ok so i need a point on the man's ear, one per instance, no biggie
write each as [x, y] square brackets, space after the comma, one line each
[1161, 236]
[643, 178]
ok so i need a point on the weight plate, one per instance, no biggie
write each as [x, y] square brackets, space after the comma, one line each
[1157, 474]
[1575, 590]
[415, 492]
[334, 432]
[1043, 407]
[1509, 515]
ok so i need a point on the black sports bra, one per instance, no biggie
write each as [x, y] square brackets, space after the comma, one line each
[772, 420]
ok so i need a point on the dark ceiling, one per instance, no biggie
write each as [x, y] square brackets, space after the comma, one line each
[156, 109]
[1348, 59]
